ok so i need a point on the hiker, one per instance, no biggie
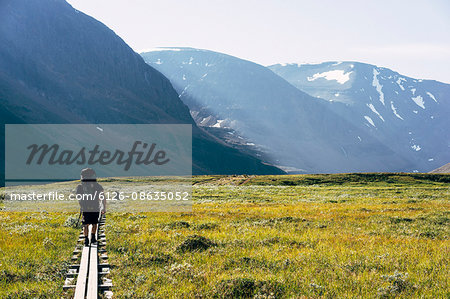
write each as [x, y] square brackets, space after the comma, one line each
[89, 194]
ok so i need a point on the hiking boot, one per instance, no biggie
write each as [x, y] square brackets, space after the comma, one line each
[86, 241]
[93, 240]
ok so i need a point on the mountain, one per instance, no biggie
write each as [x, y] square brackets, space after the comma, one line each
[286, 125]
[410, 115]
[58, 65]
[442, 169]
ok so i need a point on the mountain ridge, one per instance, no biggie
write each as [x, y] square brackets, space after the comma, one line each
[408, 113]
[180, 64]
[225, 91]
[59, 65]
[306, 63]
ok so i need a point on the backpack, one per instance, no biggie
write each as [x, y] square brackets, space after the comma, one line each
[88, 195]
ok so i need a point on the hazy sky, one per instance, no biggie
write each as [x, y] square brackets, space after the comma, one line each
[408, 36]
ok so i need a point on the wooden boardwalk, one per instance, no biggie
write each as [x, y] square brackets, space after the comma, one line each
[91, 271]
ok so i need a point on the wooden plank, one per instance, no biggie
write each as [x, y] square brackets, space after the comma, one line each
[104, 265]
[80, 289]
[92, 292]
[91, 267]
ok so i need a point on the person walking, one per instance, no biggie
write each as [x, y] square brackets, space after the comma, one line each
[92, 201]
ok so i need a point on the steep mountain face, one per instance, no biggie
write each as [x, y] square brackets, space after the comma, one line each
[58, 65]
[410, 115]
[293, 129]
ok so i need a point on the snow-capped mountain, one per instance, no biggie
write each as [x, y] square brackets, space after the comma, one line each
[294, 129]
[410, 115]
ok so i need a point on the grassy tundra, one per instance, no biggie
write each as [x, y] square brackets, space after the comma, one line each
[303, 236]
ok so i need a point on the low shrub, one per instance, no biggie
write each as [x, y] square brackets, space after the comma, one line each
[195, 243]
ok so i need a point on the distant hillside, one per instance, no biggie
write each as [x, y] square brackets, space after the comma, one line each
[294, 129]
[442, 169]
[410, 115]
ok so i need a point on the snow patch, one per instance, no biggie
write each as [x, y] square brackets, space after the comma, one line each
[419, 101]
[395, 111]
[218, 123]
[100, 129]
[158, 61]
[369, 120]
[184, 77]
[339, 75]
[377, 85]
[336, 94]
[431, 159]
[359, 139]
[184, 90]
[416, 147]
[399, 82]
[375, 111]
[431, 96]
[413, 91]
[415, 111]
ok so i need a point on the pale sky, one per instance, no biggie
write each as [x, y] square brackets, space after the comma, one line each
[411, 37]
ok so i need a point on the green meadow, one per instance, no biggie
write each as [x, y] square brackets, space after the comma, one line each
[300, 236]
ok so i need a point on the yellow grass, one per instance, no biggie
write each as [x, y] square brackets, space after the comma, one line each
[331, 236]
